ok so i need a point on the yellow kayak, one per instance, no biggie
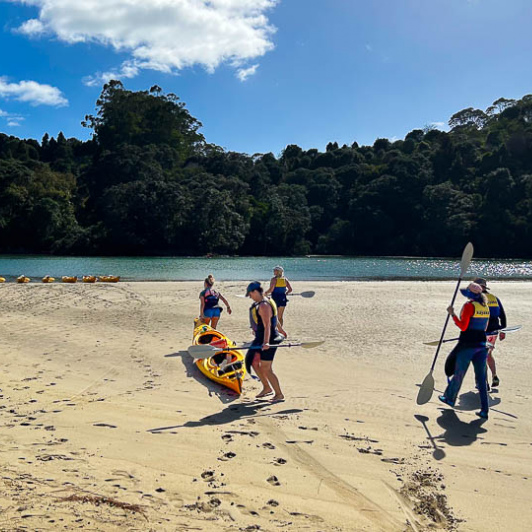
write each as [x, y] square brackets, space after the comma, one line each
[2, 279]
[48, 279]
[23, 279]
[109, 278]
[89, 279]
[66, 279]
[204, 334]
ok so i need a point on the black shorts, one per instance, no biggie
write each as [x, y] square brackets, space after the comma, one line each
[280, 299]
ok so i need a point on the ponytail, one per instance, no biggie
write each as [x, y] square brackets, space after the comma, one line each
[210, 280]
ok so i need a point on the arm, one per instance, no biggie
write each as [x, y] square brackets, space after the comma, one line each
[289, 287]
[265, 312]
[272, 286]
[462, 322]
[202, 306]
[226, 303]
[502, 317]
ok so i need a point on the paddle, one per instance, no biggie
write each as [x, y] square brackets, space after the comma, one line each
[427, 386]
[207, 350]
[309, 293]
[506, 330]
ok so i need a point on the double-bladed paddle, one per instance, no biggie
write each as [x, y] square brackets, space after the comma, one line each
[309, 293]
[207, 350]
[427, 386]
[506, 330]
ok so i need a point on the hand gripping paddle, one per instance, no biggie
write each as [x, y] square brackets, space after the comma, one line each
[427, 386]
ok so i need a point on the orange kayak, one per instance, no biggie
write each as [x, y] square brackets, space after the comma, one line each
[233, 374]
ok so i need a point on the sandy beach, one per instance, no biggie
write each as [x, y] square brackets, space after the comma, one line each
[108, 425]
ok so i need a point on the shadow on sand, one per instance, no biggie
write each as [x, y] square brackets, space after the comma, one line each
[457, 432]
[224, 394]
[232, 413]
[439, 453]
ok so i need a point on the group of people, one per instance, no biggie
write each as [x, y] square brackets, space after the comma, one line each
[266, 319]
[481, 319]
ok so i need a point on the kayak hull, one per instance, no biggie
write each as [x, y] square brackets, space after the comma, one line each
[204, 335]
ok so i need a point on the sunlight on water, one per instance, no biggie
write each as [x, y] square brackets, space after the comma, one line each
[247, 268]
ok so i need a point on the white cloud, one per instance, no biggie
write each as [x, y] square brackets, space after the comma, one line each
[128, 70]
[243, 73]
[14, 122]
[32, 92]
[164, 35]
[437, 124]
[3, 113]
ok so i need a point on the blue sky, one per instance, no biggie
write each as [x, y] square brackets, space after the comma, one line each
[261, 74]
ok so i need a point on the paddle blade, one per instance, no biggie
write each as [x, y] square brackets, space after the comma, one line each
[425, 392]
[203, 351]
[467, 255]
[311, 345]
[310, 293]
[507, 330]
[435, 342]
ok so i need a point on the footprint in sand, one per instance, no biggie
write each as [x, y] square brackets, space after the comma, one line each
[104, 425]
[227, 456]
[268, 445]
[207, 476]
[279, 461]
[273, 480]
[227, 438]
[272, 502]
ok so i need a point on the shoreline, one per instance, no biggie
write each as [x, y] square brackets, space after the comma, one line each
[109, 425]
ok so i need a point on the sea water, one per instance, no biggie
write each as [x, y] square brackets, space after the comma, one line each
[311, 268]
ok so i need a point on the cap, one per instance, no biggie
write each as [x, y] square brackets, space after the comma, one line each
[482, 282]
[255, 285]
[280, 268]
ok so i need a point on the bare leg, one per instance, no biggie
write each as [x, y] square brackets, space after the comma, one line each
[272, 378]
[280, 312]
[214, 322]
[260, 374]
[491, 362]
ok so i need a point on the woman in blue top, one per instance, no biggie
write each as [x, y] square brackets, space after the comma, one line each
[210, 309]
[279, 288]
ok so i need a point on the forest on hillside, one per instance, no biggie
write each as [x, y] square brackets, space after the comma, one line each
[148, 183]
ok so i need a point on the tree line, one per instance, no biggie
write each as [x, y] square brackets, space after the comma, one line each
[148, 183]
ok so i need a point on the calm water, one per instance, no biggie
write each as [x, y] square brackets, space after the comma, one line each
[249, 268]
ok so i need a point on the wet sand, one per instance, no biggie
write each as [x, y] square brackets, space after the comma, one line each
[108, 425]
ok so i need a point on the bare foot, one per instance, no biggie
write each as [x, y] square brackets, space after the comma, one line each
[276, 398]
[264, 393]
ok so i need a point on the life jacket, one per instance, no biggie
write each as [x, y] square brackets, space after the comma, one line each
[495, 312]
[255, 319]
[280, 285]
[211, 298]
[478, 323]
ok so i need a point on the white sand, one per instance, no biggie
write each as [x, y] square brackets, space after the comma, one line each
[94, 407]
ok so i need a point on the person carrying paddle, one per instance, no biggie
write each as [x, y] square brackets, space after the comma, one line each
[263, 320]
[497, 322]
[279, 288]
[210, 309]
[471, 347]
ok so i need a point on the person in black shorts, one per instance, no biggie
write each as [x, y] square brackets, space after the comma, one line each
[263, 320]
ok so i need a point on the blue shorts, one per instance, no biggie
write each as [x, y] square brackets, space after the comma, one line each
[212, 312]
[280, 299]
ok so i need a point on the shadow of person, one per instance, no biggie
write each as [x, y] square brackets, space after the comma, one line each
[457, 432]
[471, 401]
[439, 453]
[232, 413]
[224, 394]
